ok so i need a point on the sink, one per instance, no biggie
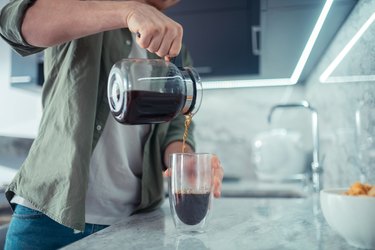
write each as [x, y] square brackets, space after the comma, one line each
[235, 187]
[256, 189]
[261, 194]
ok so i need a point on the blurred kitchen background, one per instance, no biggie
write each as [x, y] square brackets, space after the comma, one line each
[252, 55]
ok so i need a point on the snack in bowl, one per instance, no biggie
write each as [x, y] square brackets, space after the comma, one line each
[351, 213]
[361, 189]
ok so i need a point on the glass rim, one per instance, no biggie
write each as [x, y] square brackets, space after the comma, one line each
[203, 153]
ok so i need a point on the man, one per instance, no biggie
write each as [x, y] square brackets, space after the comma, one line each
[84, 170]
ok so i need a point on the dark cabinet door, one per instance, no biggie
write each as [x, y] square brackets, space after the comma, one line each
[218, 35]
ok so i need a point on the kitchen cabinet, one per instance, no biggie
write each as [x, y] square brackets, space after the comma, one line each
[218, 35]
[242, 39]
[20, 110]
[286, 26]
[26, 70]
[259, 39]
[285, 29]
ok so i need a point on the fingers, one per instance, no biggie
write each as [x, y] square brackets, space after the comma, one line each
[155, 31]
[218, 172]
[155, 42]
[165, 45]
[176, 45]
[191, 172]
[167, 173]
[166, 42]
[144, 40]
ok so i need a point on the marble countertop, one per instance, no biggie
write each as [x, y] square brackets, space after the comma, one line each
[235, 223]
[258, 189]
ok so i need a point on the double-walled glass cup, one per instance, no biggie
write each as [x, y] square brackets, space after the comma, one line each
[190, 190]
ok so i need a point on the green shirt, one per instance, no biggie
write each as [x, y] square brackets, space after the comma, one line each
[54, 176]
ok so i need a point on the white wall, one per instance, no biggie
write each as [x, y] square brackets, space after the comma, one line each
[349, 147]
[20, 109]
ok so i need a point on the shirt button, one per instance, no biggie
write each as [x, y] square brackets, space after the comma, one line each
[98, 127]
[128, 42]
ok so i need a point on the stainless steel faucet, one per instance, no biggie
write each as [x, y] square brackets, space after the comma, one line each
[358, 159]
[316, 168]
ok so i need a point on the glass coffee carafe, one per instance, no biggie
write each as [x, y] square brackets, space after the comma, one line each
[143, 91]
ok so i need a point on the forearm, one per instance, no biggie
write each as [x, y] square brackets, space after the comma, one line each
[49, 22]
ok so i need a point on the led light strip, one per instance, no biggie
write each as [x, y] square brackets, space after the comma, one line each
[226, 84]
[326, 77]
[222, 84]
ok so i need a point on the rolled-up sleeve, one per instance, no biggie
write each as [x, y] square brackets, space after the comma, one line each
[11, 17]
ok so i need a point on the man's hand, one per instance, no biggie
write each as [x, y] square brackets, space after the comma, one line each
[156, 32]
[175, 147]
[161, 4]
[218, 175]
[218, 171]
[45, 23]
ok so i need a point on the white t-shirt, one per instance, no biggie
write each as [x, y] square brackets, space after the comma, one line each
[114, 187]
[115, 173]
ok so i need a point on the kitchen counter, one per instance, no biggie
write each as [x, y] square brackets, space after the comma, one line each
[235, 223]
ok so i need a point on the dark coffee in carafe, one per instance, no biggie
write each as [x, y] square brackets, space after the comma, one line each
[142, 91]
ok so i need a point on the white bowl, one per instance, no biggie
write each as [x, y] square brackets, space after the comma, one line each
[353, 217]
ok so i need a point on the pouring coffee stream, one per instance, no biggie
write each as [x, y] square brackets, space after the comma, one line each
[188, 117]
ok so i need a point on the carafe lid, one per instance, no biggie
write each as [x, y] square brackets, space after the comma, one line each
[194, 91]
[116, 92]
